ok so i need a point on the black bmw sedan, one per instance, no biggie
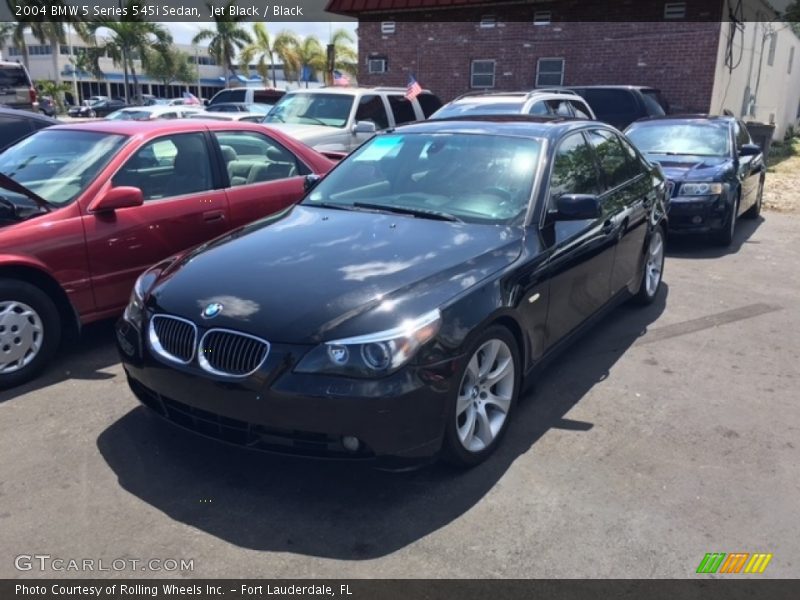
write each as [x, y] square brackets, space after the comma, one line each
[396, 312]
[716, 172]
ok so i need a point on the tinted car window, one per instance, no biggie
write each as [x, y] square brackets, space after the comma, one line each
[540, 109]
[12, 129]
[609, 101]
[614, 163]
[371, 108]
[230, 96]
[560, 108]
[429, 104]
[170, 166]
[13, 77]
[254, 158]
[742, 135]
[581, 110]
[574, 169]
[653, 108]
[402, 109]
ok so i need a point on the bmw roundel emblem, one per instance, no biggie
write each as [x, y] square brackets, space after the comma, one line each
[212, 310]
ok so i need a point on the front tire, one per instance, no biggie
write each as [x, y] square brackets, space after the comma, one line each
[483, 402]
[30, 331]
[755, 211]
[92, 114]
[653, 268]
[724, 237]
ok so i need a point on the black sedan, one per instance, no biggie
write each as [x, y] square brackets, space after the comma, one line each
[18, 124]
[715, 171]
[100, 108]
[395, 313]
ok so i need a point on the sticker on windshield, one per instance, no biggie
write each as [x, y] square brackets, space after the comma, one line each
[382, 146]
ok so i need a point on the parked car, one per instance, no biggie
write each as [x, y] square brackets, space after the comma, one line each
[18, 124]
[99, 108]
[16, 87]
[229, 116]
[92, 99]
[262, 109]
[621, 105]
[151, 113]
[396, 311]
[715, 171]
[87, 207]
[536, 103]
[265, 96]
[342, 118]
[47, 107]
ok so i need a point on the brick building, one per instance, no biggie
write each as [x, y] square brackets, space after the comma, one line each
[705, 55]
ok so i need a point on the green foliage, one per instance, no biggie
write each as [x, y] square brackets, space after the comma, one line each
[170, 66]
[55, 90]
[226, 38]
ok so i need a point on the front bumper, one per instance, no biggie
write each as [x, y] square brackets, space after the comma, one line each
[698, 214]
[398, 419]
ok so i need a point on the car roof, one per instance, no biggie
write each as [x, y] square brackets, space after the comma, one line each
[130, 128]
[511, 125]
[26, 114]
[612, 87]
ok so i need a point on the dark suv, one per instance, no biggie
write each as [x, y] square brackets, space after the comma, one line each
[621, 105]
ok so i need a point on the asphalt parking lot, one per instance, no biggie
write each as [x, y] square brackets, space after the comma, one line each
[666, 433]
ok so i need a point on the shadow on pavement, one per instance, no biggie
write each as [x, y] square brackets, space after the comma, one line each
[80, 357]
[344, 510]
[701, 246]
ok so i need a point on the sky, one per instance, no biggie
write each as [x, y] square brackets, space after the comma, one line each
[184, 32]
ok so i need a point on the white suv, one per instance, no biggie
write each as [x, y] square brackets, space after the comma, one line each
[339, 119]
[537, 103]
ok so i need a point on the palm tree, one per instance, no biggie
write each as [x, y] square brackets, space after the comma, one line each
[265, 48]
[23, 24]
[297, 53]
[130, 40]
[284, 46]
[225, 39]
[346, 57]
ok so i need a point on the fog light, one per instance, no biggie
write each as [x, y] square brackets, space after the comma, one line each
[350, 443]
[697, 219]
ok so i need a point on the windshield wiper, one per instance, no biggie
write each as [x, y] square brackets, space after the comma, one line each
[12, 186]
[333, 205]
[422, 213]
[665, 153]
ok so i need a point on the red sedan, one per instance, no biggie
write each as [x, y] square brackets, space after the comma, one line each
[86, 208]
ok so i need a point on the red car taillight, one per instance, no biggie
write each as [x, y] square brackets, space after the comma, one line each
[32, 93]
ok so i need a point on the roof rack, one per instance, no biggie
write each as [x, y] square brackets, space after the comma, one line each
[524, 94]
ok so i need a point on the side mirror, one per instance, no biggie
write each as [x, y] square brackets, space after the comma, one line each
[310, 181]
[205, 102]
[116, 198]
[750, 150]
[364, 127]
[577, 207]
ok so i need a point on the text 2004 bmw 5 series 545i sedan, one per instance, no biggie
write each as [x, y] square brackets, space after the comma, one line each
[396, 311]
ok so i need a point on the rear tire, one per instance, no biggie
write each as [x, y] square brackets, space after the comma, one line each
[30, 331]
[653, 271]
[482, 404]
[755, 211]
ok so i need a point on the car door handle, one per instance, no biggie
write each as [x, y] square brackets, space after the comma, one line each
[213, 216]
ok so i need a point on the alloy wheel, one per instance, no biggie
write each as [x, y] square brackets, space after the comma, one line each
[485, 395]
[655, 263]
[21, 335]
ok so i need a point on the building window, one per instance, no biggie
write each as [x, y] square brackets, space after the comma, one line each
[773, 41]
[65, 51]
[488, 21]
[791, 60]
[12, 51]
[542, 17]
[377, 65]
[675, 10]
[387, 27]
[482, 74]
[550, 72]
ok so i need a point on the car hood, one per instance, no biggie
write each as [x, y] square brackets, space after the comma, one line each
[307, 133]
[314, 274]
[691, 168]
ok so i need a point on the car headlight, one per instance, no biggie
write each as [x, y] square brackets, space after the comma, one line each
[134, 312]
[374, 354]
[700, 189]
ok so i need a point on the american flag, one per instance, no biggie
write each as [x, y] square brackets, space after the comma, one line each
[340, 78]
[413, 89]
[189, 98]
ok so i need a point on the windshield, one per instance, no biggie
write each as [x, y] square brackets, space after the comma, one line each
[670, 137]
[331, 110]
[59, 164]
[470, 177]
[483, 108]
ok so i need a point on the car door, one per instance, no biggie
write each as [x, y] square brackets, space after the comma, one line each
[581, 260]
[628, 194]
[184, 205]
[749, 167]
[263, 176]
